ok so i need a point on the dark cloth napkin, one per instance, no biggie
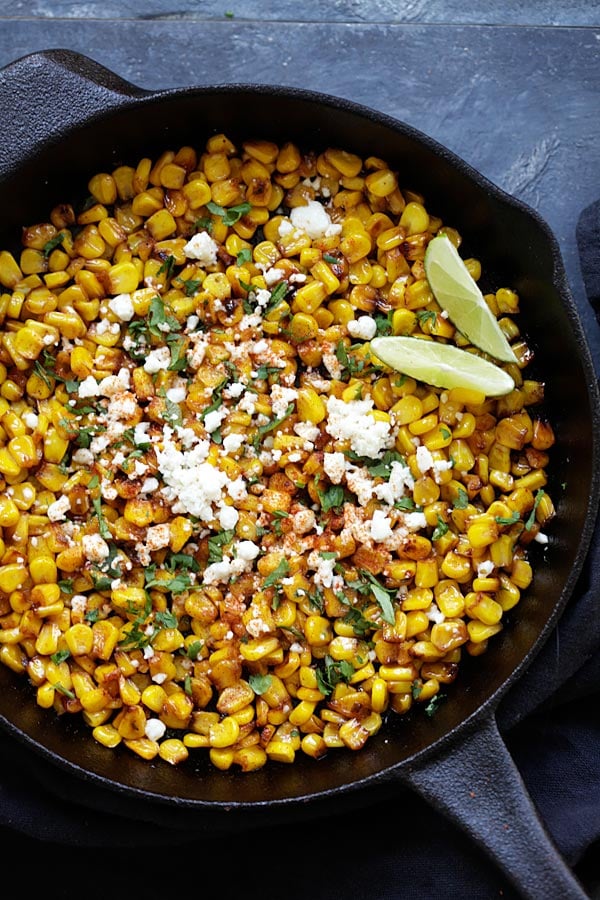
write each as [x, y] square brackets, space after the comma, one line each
[398, 848]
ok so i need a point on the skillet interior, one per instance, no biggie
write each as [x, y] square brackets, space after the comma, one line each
[516, 249]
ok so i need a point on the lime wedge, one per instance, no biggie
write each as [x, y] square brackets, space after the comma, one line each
[457, 292]
[442, 365]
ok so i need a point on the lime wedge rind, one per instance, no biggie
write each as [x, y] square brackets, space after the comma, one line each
[442, 365]
[457, 293]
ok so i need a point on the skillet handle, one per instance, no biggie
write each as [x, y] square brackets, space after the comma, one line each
[477, 786]
[50, 92]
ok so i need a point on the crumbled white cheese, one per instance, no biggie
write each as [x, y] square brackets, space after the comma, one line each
[424, 458]
[307, 431]
[228, 517]
[192, 482]
[122, 307]
[157, 359]
[396, 487]
[434, 614]
[380, 526]
[351, 422]
[281, 397]
[314, 220]
[323, 568]
[154, 729]
[237, 489]
[213, 419]
[233, 391]
[304, 521]
[158, 537]
[414, 521]
[95, 547]
[247, 550]
[233, 442]
[334, 465]
[176, 394]
[203, 248]
[360, 483]
[88, 387]
[365, 328]
[83, 457]
[485, 568]
[57, 510]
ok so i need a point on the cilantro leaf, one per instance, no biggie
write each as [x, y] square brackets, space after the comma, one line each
[277, 574]
[232, 214]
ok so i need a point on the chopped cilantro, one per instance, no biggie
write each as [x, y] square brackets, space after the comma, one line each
[159, 321]
[462, 499]
[191, 285]
[277, 574]
[166, 619]
[264, 429]
[232, 214]
[332, 498]
[244, 256]
[433, 704]
[350, 365]
[440, 529]
[53, 243]
[260, 683]
[378, 468]
[105, 531]
[216, 542]
[508, 520]
[204, 223]
[166, 267]
[426, 315]
[382, 595]
[194, 649]
[530, 522]
[384, 323]
[331, 672]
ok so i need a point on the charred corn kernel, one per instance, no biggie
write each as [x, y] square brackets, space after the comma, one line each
[509, 594]
[479, 631]
[107, 735]
[456, 567]
[224, 733]
[45, 695]
[43, 569]
[123, 278]
[323, 274]
[303, 327]
[407, 410]
[143, 747]
[482, 531]
[12, 577]
[310, 296]
[414, 218]
[9, 516]
[258, 648]
[22, 448]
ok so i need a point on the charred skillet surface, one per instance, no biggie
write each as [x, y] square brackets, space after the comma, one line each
[516, 248]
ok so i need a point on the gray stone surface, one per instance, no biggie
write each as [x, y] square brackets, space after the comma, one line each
[520, 104]
[510, 12]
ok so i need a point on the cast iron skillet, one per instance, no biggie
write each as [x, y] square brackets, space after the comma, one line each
[66, 118]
